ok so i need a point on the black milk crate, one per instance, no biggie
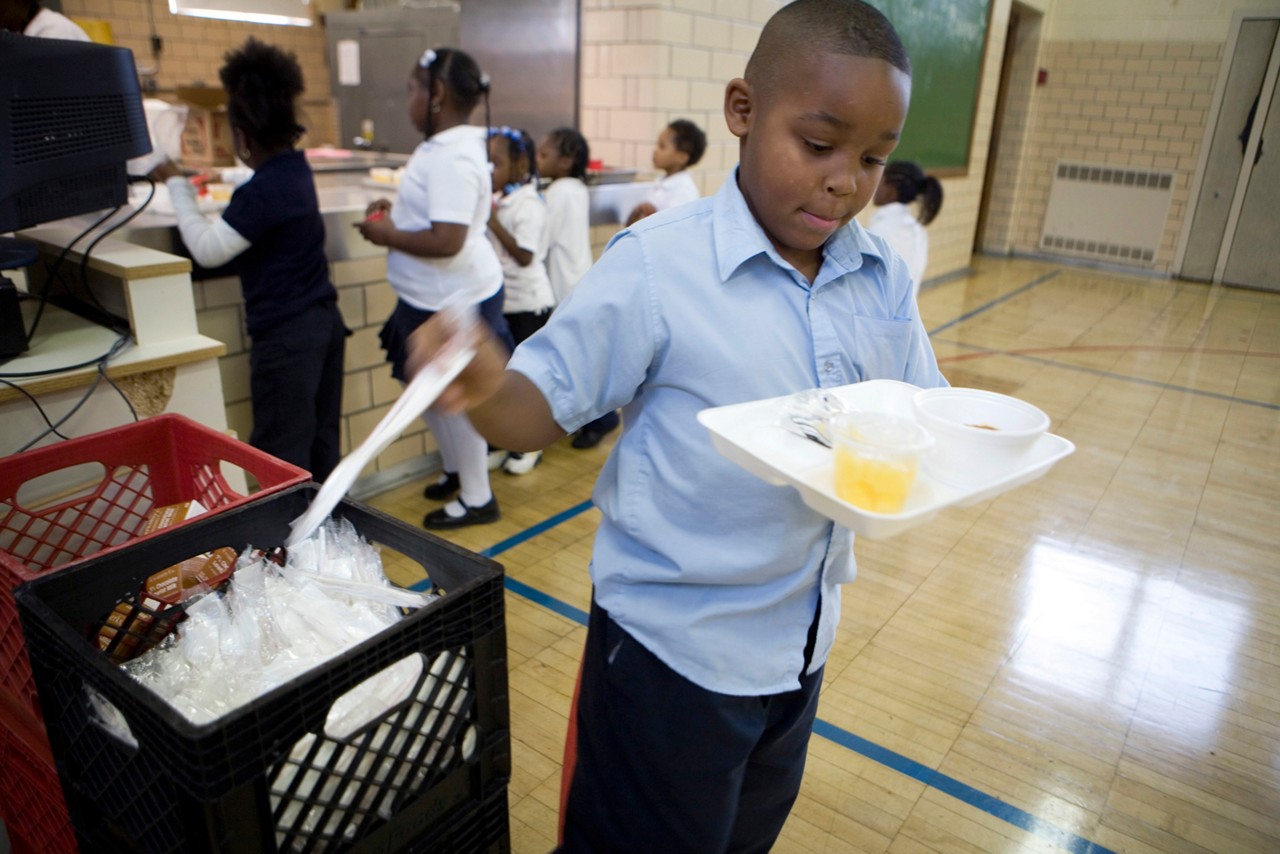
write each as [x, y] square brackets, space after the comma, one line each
[267, 777]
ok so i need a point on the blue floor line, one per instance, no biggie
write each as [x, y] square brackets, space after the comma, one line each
[529, 533]
[1082, 368]
[960, 791]
[1112, 375]
[987, 306]
[895, 761]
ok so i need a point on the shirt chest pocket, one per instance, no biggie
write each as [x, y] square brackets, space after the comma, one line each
[879, 348]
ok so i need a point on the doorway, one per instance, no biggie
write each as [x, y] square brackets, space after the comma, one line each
[1230, 236]
[997, 217]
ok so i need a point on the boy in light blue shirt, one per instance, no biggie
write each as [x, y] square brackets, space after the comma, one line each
[716, 595]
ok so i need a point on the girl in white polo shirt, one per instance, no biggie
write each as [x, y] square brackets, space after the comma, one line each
[518, 231]
[438, 252]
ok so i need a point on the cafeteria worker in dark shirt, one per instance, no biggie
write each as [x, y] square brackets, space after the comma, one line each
[273, 232]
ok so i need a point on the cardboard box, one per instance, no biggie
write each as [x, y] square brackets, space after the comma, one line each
[206, 139]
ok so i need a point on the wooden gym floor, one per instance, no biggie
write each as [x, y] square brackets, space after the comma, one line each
[1088, 663]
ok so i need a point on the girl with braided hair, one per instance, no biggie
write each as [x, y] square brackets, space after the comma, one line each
[439, 253]
[518, 231]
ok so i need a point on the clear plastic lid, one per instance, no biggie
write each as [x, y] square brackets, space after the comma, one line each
[881, 431]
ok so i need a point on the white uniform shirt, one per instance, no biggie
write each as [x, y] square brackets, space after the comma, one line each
[48, 24]
[906, 235]
[524, 215]
[446, 180]
[672, 190]
[568, 234]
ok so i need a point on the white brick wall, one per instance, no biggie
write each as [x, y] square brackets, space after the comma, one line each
[1117, 103]
[673, 58]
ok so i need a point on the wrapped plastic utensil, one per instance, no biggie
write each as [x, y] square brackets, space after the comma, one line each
[417, 396]
[809, 413]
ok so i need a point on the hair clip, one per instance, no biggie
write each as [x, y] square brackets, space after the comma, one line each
[427, 58]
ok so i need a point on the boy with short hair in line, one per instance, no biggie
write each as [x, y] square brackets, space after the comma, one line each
[680, 145]
[716, 595]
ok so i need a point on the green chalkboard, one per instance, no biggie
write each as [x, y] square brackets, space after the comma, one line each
[945, 40]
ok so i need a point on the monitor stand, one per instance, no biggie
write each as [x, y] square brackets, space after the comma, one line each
[14, 254]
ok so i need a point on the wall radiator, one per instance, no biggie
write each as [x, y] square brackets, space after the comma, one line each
[1107, 213]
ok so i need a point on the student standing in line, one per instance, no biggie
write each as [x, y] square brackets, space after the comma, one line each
[680, 145]
[438, 253]
[33, 19]
[903, 183]
[563, 155]
[518, 231]
[273, 231]
[715, 595]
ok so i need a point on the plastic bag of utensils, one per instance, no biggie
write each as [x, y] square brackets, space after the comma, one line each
[279, 616]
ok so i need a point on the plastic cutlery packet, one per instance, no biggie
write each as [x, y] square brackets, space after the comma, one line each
[277, 615]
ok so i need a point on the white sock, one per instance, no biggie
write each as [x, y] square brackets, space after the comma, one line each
[459, 441]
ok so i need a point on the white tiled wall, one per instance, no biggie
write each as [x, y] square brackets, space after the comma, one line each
[1118, 103]
[648, 62]
[194, 47]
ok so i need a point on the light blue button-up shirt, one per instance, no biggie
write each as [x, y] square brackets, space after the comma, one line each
[716, 572]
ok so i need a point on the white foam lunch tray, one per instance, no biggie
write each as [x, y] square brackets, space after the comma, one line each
[751, 434]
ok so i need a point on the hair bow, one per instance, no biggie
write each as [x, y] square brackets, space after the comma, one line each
[428, 57]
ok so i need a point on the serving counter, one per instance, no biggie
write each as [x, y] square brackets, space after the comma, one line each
[365, 298]
[166, 365]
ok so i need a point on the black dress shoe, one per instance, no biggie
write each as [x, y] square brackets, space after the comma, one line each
[588, 438]
[440, 520]
[443, 489]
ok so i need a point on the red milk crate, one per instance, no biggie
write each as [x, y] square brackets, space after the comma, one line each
[31, 803]
[167, 459]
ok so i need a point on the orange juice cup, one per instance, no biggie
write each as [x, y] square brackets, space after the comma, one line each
[876, 458]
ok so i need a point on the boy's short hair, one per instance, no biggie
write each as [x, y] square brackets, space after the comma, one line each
[805, 27]
[689, 139]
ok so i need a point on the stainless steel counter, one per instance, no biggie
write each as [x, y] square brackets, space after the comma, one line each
[345, 190]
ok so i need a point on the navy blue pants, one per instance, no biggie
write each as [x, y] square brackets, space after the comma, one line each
[604, 423]
[664, 765]
[295, 377]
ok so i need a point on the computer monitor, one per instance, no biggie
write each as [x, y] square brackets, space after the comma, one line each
[70, 116]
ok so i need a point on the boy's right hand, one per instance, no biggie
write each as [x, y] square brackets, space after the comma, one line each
[381, 207]
[478, 382]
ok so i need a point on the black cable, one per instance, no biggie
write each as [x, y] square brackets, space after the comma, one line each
[39, 408]
[84, 257]
[51, 271]
[102, 369]
[53, 428]
[48, 371]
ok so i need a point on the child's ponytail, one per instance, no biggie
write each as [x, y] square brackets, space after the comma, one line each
[910, 182]
[461, 76]
[930, 192]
